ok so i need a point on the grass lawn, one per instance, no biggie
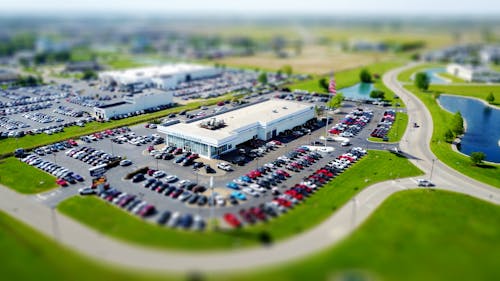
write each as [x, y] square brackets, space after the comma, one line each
[415, 235]
[27, 142]
[452, 78]
[346, 78]
[397, 130]
[495, 67]
[23, 177]
[477, 91]
[486, 173]
[375, 167]
[405, 76]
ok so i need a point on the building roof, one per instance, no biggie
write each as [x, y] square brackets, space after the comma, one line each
[263, 114]
[154, 71]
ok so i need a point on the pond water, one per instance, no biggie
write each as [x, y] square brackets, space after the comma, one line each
[483, 125]
[360, 91]
[434, 78]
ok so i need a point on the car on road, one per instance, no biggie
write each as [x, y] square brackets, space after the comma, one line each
[424, 182]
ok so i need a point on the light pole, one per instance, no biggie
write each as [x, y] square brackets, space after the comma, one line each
[432, 169]
[213, 202]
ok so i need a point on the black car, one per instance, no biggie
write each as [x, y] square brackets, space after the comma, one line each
[198, 165]
[138, 178]
[209, 169]
[164, 217]
[193, 199]
[202, 200]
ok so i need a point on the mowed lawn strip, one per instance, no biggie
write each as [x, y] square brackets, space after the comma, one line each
[487, 173]
[24, 178]
[397, 130]
[414, 235]
[375, 167]
[475, 91]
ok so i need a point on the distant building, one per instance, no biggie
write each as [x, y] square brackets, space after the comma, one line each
[7, 76]
[490, 54]
[133, 103]
[471, 73]
[161, 77]
[82, 66]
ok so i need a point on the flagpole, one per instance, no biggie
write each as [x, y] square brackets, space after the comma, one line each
[328, 108]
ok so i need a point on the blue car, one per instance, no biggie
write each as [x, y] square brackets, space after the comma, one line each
[179, 159]
[78, 177]
[246, 179]
[238, 195]
[232, 185]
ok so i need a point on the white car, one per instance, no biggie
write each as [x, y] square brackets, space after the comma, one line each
[250, 191]
[171, 178]
[125, 162]
[424, 182]
[86, 191]
[220, 201]
[159, 174]
[224, 166]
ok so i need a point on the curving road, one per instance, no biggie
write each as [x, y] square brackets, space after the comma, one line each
[91, 243]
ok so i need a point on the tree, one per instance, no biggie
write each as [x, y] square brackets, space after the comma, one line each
[287, 69]
[490, 98]
[377, 94]
[457, 124]
[449, 136]
[336, 101]
[323, 84]
[365, 76]
[89, 74]
[262, 78]
[477, 157]
[422, 81]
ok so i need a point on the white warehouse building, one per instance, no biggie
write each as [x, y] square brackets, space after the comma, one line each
[132, 103]
[473, 73]
[263, 121]
[161, 77]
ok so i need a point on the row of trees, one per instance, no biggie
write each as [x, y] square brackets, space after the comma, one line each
[27, 81]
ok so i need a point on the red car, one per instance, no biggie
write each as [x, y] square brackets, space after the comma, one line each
[283, 202]
[232, 220]
[247, 216]
[294, 194]
[62, 182]
[72, 142]
[146, 210]
[151, 172]
[283, 172]
[276, 142]
[258, 213]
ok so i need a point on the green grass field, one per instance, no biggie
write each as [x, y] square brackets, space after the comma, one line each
[24, 178]
[28, 142]
[476, 91]
[415, 235]
[397, 130]
[346, 78]
[405, 76]
[377, 166]
[452, 78]
[486, 173]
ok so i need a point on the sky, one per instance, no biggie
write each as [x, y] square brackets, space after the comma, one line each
[254, 7]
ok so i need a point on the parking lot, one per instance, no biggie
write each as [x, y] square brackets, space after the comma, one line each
[226, 199]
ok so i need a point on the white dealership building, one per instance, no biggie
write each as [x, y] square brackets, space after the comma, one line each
[150, 98]
[219, 134]
[162, 77]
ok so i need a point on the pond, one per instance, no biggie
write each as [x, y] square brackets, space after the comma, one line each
[360, 91]
[433, 74]
[483, 125]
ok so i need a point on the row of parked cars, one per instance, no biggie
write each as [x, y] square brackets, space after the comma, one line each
[25, 108]
[55, 147]
[170, 186]
[134, 139]
[91, 155]
[41, 117]
[11, 124]
[104, 134]
[64, 175]
[296, 194]
[139, 112]
[126, 201]
[384, 125]
[352, 123]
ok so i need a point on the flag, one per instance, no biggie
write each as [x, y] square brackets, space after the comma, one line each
[332, 87]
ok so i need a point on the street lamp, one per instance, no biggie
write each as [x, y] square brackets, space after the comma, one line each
[432, 169]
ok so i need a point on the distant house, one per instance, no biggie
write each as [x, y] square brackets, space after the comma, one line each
[82, 66]
[471, 73]
[7, 76]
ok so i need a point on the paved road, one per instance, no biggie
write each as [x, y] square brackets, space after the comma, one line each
[338, 226]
